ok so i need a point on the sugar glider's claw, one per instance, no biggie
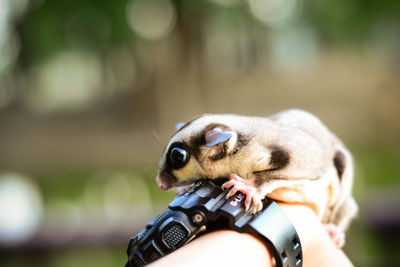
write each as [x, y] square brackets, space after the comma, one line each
[233, 191]
[337, 236]
[256, 201]
[253, 198]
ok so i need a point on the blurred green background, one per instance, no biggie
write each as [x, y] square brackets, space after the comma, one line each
[90, 92]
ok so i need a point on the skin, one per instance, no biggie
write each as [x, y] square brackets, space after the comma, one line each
[246, 250]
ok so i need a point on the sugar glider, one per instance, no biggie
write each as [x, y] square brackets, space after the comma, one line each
[290, 156]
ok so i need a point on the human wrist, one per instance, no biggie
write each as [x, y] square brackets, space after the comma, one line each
[318, 248]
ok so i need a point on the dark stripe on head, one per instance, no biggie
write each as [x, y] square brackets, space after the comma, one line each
[221, 153]
[339, 160]
[200, 140]
[242, 140]
[279, 158]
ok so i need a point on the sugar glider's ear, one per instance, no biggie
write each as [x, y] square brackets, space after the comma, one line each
[179, 125]
[216, 136]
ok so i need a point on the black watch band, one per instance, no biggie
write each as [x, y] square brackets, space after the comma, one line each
[274, 228]
[200, 208]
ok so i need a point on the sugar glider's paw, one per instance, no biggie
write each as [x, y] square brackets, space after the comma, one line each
[252, 195]
[180, 190]
[337, 235]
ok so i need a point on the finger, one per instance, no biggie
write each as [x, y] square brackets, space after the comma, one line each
[236, 177]
[255, 207]
[247, 203]
[257, 204]
[228, 184]
[232, 192]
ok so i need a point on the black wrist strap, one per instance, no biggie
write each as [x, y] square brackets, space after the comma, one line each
[204, 204]
[274, 228]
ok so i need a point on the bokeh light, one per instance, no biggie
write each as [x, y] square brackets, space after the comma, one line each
[10, 10]
[68, 81]
[275, 13]
[151, 19]
[291, 46]
[20, 208]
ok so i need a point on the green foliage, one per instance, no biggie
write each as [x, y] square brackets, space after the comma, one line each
[56, 25]
[350, 20]
[378, 166]
[98, 24]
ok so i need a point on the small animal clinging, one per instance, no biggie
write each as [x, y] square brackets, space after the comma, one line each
[290, 156]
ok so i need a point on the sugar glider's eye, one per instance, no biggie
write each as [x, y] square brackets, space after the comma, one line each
[178, 157]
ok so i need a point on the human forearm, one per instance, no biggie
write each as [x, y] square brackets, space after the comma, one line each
[230, 248]
[220, 248]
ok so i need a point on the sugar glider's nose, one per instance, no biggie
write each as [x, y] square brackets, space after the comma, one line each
[163, 183]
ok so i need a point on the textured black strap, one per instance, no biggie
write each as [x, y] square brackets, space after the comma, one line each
[203, 207]
[271, 224]
[274, 228]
